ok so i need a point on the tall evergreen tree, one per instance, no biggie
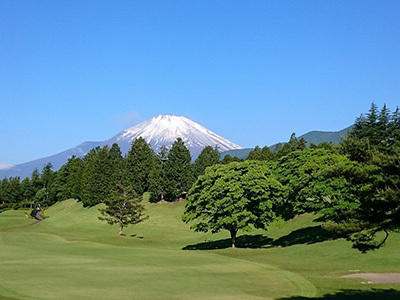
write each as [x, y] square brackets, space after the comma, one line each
[47, 179]
[117, 165]
[28, 193]
[177, 174]
[209, 156]
[5, 191]
[139, 164]
[69, 180]
[96, 176]
[15, 192]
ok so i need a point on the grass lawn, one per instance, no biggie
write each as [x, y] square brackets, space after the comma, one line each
[73, 255]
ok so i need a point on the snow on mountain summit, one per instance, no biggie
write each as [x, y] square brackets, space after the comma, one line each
[158, 131]
[163, 130]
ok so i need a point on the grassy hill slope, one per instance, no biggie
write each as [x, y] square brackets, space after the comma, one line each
[74, 255]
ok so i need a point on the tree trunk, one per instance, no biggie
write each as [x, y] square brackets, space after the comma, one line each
[120, 230]
[233, 237]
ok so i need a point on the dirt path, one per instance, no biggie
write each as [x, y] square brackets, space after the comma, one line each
[376, 277]
[36, 214]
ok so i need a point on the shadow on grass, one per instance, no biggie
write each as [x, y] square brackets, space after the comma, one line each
[137, 236]
[308, 235]
[373, 294]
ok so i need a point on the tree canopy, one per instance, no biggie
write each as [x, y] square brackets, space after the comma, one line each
[233, 197]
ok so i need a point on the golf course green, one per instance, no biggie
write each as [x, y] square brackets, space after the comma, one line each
[73, 255]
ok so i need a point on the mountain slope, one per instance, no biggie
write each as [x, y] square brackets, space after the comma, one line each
[159, 131]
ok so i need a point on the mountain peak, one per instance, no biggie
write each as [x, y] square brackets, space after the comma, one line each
[163, 130]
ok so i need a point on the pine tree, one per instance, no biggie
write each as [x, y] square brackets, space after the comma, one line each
[139, 164]
[97, 176]
[209, 156]
[27, 189]
[69, 180]
[177, 174]
[124, 207]
[116, 162]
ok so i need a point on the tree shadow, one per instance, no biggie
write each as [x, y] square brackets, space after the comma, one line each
[243, 241]
[373, 294]
[137, 236]
[308, 235]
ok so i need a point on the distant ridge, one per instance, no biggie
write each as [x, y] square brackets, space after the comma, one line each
[313, 137]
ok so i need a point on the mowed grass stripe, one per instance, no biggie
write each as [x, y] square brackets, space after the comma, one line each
[74, 255]
[81, 269]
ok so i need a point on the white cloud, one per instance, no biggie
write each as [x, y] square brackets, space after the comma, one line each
[4, 166]
[127, 119]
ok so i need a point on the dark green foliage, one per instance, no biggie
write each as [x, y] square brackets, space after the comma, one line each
[177, 176]
[10, 190]
[117, 165]
[97, 176]
[293, 144]
[140, 162]
[36, 180]
[379, 129]
[69, 180]
[370, 183]
[233, 197]
[156, 187]
[228, 159]
[47, 179]
[209, 156]
[376, 186]
[124, 207]
[327, 146]
[303, 175]
[27, 189]
[261, 154]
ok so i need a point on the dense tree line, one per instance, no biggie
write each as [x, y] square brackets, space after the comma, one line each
[94, 178]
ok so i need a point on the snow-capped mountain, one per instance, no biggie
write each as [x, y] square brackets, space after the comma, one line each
[158, 131]
[163, 130]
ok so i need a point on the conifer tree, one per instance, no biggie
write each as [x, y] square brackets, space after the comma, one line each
[209, 156]
[139, 164]
[177, 174]
[124, 207]
[69, 180]
[97, 175]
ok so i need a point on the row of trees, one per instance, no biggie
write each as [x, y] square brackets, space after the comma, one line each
[354, 187]
[93, 178]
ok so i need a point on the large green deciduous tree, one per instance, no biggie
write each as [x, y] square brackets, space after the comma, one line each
[307, 187]
[124, 207]
[233, 197]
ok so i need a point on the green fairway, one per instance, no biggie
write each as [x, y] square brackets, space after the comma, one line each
[73, 255]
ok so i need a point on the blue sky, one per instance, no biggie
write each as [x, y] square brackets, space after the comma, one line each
[251, 71]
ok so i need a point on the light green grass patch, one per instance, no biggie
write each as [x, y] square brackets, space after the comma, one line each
[74, 255]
